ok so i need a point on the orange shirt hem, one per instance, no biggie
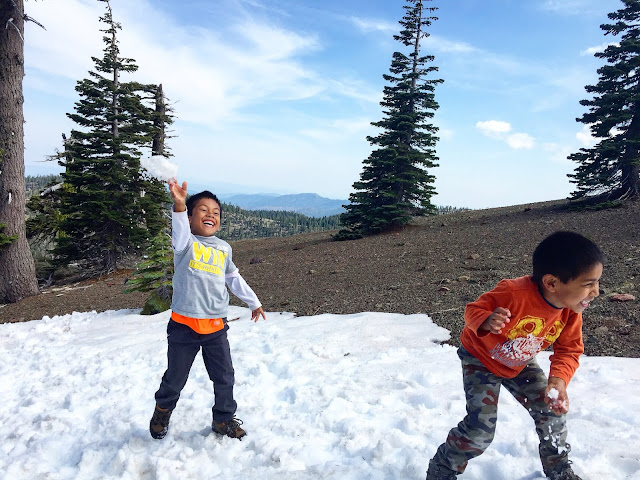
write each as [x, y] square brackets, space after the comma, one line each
[199, 325]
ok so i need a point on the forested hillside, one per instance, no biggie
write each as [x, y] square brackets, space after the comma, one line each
[237, 223]
[38, 183]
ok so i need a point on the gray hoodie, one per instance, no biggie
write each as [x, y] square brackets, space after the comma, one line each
[203, 266]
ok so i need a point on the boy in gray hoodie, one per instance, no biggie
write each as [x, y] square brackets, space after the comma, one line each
[203, 268]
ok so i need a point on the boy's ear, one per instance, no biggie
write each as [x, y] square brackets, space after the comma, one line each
[550, 282]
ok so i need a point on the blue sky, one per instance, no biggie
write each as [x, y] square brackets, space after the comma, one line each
[278, 95]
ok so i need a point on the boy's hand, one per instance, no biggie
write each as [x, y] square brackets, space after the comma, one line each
[255, 314]
[556, 396]
[497, 320]
[179, 195]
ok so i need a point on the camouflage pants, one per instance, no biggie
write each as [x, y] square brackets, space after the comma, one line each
[475, 432]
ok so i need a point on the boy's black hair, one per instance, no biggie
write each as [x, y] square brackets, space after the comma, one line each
[565, 255]
[193, 199]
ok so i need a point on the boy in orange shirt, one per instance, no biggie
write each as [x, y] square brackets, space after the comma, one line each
[504, 330]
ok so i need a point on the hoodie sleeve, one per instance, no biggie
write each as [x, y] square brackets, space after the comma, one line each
[180, 230]
[242, 290]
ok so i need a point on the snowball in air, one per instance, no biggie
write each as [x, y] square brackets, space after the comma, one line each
[159, 167]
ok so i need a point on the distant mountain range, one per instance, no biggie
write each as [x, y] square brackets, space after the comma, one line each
[310, 204]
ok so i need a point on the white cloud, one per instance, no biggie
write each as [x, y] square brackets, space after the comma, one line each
[213, 74]
[520, 141]
[274, 43]
[445, 134]
[598, 48]
[71, 37]
[585, 138]
[499, 130]
[340, 129]
[372, 25]
[355, 89]
[493, 127]
[442, 45]
[558, 153]
[579, 7]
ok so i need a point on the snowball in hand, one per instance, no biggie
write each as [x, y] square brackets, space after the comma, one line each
[554, 400]
[159, 167]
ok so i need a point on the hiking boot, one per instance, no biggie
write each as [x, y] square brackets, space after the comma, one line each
[159, 425]
[563, 471]
[437, 472]
[230, 428]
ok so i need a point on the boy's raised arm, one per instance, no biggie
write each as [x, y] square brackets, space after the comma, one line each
[179, 224]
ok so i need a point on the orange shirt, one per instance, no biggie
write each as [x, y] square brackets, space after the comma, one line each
[199, 325]
[534, 325]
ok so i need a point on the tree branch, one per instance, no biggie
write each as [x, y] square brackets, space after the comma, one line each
[10, 21]
[27, 18]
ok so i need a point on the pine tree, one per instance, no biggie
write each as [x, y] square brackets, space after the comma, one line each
[108, 206]
[610, 169]
[17, 268]
[395, 183]
[156, 272]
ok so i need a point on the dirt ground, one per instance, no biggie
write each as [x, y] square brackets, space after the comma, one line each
[434, 266]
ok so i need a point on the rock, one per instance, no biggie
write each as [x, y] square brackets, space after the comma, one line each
[311, 271]
[622, 297]
[601, 330]
[444, 289]
[464, 278]
[474, 256]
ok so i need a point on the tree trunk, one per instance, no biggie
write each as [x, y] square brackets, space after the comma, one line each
[17, 270]
[630, 181]
[159, 136]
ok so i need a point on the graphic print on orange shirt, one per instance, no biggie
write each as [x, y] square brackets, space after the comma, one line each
[524, 340]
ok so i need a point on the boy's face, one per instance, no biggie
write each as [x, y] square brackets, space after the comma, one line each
[577, 293]
[205, 217]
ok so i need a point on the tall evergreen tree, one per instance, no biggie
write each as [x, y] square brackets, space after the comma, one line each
[610, 169]
[395, 183]
[108, 205]
[17, 269]
[154, 274]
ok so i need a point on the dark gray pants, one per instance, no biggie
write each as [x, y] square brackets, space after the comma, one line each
[184, 345]
[475, 432]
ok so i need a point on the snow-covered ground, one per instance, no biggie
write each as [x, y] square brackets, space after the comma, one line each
[345, 397]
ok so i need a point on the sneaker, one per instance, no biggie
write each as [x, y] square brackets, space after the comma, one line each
[230, 428]
[563, 471]
[436, 472]
[159, 425]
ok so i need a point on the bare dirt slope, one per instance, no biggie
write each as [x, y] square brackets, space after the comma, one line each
[434, 266]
